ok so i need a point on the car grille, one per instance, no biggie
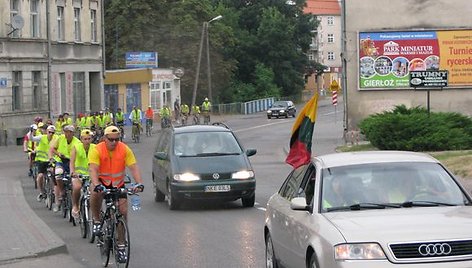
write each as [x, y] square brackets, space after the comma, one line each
[432, 249]
[221, 176]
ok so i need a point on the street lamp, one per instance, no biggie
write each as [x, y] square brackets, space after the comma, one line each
[197, 74]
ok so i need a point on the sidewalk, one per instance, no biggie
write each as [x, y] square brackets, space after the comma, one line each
[24, 235]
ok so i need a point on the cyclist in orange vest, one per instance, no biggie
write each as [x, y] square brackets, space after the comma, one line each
[107, 165]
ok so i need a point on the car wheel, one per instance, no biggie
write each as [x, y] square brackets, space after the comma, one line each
[277, 117]
[268, 117]
[158, 195]
[172, 200]
[249, 201]
[286, 115]
[294, 114]
[271, 261]
[313, 261]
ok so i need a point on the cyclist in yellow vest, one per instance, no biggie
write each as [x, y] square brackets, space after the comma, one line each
[41, 159]
[206, 109]
[79, 166]
[59, 152]
[196, 114]
[185, 110]
[60, 123]
[136, 116]
[164, 114]
[67, 119]
[29, 147]
[119, 117]
[88, 121]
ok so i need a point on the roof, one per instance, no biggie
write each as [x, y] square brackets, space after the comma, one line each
[322, 7]
[365, 157]
[199, 128]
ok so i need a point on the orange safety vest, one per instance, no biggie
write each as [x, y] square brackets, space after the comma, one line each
[112, 169]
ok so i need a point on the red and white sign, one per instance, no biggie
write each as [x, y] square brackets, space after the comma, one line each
[335, 98]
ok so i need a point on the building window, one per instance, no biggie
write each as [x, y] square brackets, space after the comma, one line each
[77, 24]
[60, 24]
[36, 85]
[155, 95]
[93, 25]
[16, 90]
[34, 18]
[14, 11]
[330, 38]
[78, 81]
[311, 56]
[62, 79]
[330, 20]
[330, 55]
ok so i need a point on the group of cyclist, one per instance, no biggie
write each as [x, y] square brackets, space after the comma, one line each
[182, 112]
[57, 154]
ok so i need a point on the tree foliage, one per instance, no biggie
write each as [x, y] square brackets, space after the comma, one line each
[256, 50]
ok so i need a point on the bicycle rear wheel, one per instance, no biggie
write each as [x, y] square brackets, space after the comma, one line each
[48, 187]
[124, 243]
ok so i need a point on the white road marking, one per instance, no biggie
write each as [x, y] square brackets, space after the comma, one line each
[265, 125]
[259, 207]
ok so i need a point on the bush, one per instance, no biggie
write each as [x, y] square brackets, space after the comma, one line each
[413, 130]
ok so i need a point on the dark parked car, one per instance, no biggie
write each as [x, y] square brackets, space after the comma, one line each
[202, 162]
[282, 108]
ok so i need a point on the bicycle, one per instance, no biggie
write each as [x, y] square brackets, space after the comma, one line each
[206, 117]
[112, 221]
[85, 219]
[165, 122]
[67, 199]
[184, 119]
[49, 187]
[135, 132]
[148, 127]
[122, 130]
[35, 174]
[196, 119]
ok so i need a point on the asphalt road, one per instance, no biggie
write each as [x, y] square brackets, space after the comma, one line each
[205, 234]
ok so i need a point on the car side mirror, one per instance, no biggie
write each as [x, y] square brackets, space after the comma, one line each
[251, 152]
[298, 203]
[160, 155]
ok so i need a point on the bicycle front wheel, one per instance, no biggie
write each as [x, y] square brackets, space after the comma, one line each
[121, 243]
[105, 242]
[84, 218]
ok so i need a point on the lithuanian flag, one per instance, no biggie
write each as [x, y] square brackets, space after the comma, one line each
[302, 133]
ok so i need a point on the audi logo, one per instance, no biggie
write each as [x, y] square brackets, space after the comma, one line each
[216, 176]
[438, 249]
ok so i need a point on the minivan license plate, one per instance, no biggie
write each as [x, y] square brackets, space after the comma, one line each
[217, 188]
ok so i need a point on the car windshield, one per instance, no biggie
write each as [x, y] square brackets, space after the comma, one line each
[206, 144]
[388, 185]
[279, 104]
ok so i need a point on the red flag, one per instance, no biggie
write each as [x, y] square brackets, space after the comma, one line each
[302, 133]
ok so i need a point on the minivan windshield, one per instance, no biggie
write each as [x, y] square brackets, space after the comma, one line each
[206, 144]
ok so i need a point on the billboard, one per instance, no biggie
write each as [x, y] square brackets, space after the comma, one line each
[141, 60]
[387, 58]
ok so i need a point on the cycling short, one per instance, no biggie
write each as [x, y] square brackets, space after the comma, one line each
[42, 166]
[64, 165]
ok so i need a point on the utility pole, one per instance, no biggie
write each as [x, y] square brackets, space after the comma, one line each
[197, 72]
[344, 62]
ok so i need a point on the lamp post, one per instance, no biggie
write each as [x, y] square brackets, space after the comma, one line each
[197, 73]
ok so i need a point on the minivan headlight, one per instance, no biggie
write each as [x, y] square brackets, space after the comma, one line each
[242, 175]
[282, 111]
[364, 251]
[186, 177]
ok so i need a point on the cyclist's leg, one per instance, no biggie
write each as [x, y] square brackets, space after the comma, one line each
[96, 200]
[76, 188]
[59, 187]
[42, 169]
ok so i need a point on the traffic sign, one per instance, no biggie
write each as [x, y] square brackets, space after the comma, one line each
[334, 86]
[334, 97]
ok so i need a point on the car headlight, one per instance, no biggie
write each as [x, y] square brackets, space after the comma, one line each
[186, 177]
[269, 111]
[366, 251]
[282, 111]
[242, 175]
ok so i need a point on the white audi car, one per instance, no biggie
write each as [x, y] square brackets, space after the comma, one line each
[370, 209]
